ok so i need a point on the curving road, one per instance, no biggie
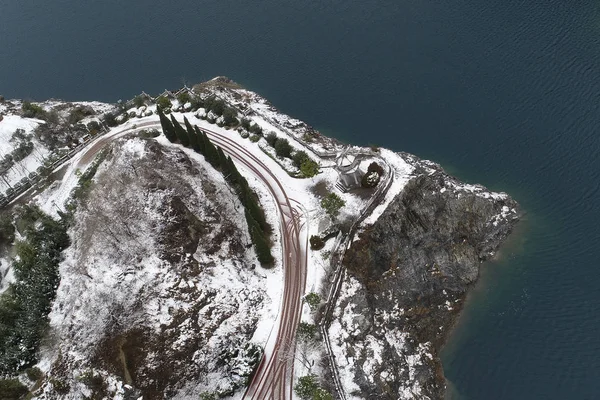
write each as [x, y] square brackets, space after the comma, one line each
[274, 376]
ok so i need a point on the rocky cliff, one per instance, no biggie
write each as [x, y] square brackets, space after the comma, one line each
[407, 275]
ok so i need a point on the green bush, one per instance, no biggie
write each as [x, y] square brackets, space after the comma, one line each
[34, 373]
[229, 117]
[217, 106]
[110, 119]
[31, 110]
[309, 168]
[184, 97]
[308, 388]
[7, 229]
[283, 148]
[12, 389]
[299, 157]
[77, 114]
[208, 396]
[163, 103]
[138, 101]
[25, 306]
[245, 123]
[254, 138]
[332, 203]
[316, 243]
[307, 331]
[148, 133]
[313, 300]
[94, 127]
[60, 387]
[22, 151]
[271, 139]
[256, 129]
[93, 381]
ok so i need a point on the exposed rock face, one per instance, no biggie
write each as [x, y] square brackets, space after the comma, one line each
[406, 278]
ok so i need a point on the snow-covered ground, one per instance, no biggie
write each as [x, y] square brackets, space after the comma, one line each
[106, 288]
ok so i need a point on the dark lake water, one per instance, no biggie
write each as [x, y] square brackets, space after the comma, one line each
[505, 93]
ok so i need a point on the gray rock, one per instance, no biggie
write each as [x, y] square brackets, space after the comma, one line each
[413, 268]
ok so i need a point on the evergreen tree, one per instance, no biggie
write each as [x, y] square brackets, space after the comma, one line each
[191, 135]
[167, 126]
[201, 142]
[180, 132]
[261, 244]
[234, 174]
[253, 207]
[211, 152]
[223, 161]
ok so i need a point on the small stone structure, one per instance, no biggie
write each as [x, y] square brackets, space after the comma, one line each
[349, 173]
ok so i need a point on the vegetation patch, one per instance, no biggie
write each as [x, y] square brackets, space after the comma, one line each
[25, 306]
[332, 204]
[192, 136]
[84, 185]
[12, 389]
[308, 168]
[308, 388]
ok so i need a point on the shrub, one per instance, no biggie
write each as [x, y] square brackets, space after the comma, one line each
[60, 387]
[217, 106]
[94, 127]
[78, 113]
[184, 97]
[373, 176]
[229, 117]
[313, 300]
[271, 139]
[309, 168]
[254, 138]
[7, 229]
[244, 134]
[308, 388]
[245, 123]
[34, 373]
[163, 103]
[93, 381]
[208, 396]
[256, 129]
[307, 137]
[138, 101]
[283, 148]
[307, 331]
[12, 389]
[18, 136]
[332, 203]
[148, 133]
[23, 150]
[316, 243]
[110, 119]
[370, 180]
[374, 167]
[299, 157]
[24, 309]
[31, 110]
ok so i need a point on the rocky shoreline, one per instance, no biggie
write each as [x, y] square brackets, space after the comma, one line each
[406, 279]
[405, 275]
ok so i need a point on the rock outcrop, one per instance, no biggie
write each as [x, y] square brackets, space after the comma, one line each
[406, 278]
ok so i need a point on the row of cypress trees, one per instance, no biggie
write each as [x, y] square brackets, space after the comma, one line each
[195, 138]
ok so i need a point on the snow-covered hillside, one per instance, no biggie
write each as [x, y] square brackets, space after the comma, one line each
[159, 289]
[29, 142]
